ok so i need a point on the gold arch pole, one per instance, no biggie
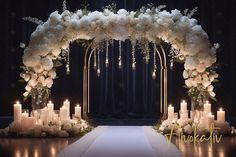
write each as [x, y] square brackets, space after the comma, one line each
[165, 80]
[85, 84]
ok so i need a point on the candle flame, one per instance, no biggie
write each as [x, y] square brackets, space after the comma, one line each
[207, 102]
[170, 105]
[221, 109]
[17, 102]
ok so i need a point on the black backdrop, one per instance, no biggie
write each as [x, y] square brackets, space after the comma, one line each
[216, 17]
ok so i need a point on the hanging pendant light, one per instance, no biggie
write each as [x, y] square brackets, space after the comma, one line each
[120, 59]
[133, 56]
[107, 60]
[68, 60]
[95, 60]
[154, 63]
[99, 66]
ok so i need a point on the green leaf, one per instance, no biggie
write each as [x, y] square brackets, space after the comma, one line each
[213, 98]
[57, 63]
[21, 81]
[215, 80]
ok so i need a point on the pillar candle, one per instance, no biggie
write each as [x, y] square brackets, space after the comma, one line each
[17, 111]
[221, 115]
[207, 107]
[78, 111]
[66, 104]
[24, 121]
[210, 120]
[170, 111]
[45, 115]
[50, 105]
[183, 106]
[63, 113]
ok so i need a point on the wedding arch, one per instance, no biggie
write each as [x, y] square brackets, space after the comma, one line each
[189, 44]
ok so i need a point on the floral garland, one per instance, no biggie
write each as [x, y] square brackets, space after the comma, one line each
[150, 24]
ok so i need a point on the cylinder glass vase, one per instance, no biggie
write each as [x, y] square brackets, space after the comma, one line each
[39, 98]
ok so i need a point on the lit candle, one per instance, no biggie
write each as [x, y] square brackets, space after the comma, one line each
[66, 104]
[63, 113]
[207, 107]
[78, 111]
[170, 111]
[50, 106]
[183, 106]
[45, 115]
[221, 115]
[210, 120]
[17, 111]
[24, 121]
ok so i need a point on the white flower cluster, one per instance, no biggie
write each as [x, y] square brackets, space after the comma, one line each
[182, 32]
[69, 128]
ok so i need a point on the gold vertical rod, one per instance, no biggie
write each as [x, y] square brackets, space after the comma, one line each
[88, 95]
[165, 80]
[161, 79]
[85, 85]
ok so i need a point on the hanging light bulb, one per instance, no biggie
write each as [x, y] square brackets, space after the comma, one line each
[154, 63]
[171, 64]
[68, 60]
[95, 60]
[120, 59]
[154, 74]
[98, 69]
[107, 61]
[133, 56]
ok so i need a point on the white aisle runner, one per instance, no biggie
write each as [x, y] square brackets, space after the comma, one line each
[121, 141]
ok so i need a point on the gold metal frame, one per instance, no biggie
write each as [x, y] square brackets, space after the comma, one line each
[86, 81]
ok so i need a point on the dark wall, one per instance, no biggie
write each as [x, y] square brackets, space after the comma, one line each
[216, 17]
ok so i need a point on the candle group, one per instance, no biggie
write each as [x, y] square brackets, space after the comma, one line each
[43, 116]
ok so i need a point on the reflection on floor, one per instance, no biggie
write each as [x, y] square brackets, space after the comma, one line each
[25, 147]
[28, 147]
[226, 148]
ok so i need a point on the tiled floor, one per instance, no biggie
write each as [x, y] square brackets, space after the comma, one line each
[25, 147]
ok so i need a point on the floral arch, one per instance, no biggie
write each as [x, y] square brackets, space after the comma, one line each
[149, 24]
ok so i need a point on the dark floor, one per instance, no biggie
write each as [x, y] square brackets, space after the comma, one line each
[25, 147]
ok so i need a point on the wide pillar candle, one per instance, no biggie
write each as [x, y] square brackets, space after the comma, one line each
[17, 111]
[66, 104]
[63, 114]
[221, 116]
[207, 107]
[210, 120]
[183, 106]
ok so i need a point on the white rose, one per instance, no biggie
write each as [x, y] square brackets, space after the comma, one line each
[28, 88]
[206, 83]
[212, 94]
[201, 68]
[49, 82]
[38, 68]
[188, 82]
[210, 88]
[198, 79]
[31, 60]
[185, 74]
[26, 94]
[211, 77]
[33, 82]
[52, 74]
[41, 79]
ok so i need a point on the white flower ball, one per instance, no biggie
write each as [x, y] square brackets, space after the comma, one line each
[47, 63]
[67, 127]
[31, 60]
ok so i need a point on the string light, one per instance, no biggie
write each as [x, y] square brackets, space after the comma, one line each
[120, 59]
[98, 69]
[154, 63]
[107, 61]
[133, 56]
[95, 60]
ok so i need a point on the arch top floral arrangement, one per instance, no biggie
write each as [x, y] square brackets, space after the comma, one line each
[150, 24]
